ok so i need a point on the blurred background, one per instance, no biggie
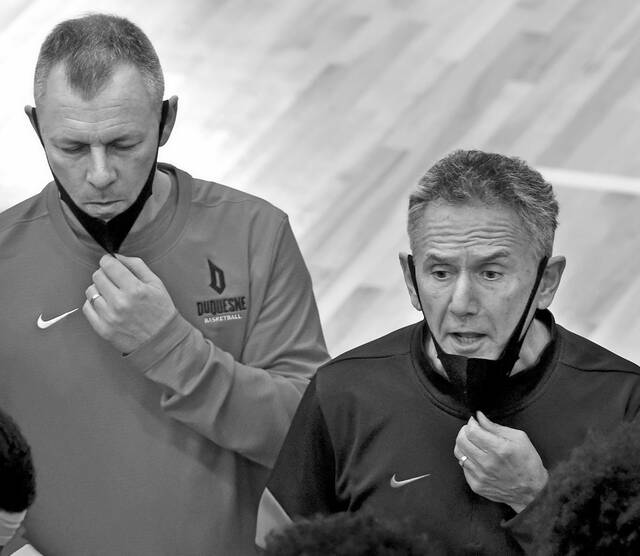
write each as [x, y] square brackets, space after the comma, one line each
[332, 110]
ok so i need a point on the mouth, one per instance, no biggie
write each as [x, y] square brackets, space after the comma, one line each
[106, 202]
[466, 341]
[101, 207]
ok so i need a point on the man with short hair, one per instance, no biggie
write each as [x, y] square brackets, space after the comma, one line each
[155, 411]
[453, 422]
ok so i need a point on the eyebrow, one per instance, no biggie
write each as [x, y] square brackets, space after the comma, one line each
[127, 136]
[438, 258]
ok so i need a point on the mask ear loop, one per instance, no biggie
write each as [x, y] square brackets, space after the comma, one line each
[110, 235]
[512, 345]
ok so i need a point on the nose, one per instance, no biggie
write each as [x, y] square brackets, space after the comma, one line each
[99, 173]
[463, 299]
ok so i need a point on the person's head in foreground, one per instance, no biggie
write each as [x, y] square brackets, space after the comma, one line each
[98, 89]
[17, 478]
[591, 505]
[347, 534]
[481, 229]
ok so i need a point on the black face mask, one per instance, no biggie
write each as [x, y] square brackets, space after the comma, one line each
[480, 383]
[111, 234]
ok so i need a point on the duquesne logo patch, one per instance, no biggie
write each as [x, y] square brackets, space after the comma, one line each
[218, 282]
[220, 309]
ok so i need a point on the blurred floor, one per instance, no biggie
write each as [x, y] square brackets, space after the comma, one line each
[332, 109]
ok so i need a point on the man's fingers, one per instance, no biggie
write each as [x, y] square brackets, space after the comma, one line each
[488, 425]
[499, 430]
[138, 267]
[117, 272]
[464, 446]
[469, 466]
[99, 301]
[94, 319]
[104, 286]
[459, 454]
[483, 439]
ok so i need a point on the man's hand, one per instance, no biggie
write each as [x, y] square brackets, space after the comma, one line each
[501, 464]
[132, 305]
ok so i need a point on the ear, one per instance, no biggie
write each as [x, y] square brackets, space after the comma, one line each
[404, 263]
[550, 281]
[28, 110]
[170, 120]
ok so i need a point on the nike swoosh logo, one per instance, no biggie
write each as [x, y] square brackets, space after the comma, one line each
[397, 484]
[44, 324]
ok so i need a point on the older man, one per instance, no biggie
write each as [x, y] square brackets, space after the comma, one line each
[156, 410]
[454, 421]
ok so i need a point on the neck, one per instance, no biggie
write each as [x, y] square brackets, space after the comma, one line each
[9, 524]
[537, 338]
[159, 196]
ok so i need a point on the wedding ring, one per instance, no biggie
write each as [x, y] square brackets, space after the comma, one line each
[93, 298]
[462, 460]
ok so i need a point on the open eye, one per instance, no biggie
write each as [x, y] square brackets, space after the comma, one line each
[440, 274]
[491, 275]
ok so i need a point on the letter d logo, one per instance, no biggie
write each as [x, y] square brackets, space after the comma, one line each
[217, 278]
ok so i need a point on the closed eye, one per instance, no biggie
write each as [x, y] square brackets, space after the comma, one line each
[123, 146]
[73, 149]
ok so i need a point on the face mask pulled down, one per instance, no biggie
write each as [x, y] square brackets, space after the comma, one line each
[476, 381]
[110, 235]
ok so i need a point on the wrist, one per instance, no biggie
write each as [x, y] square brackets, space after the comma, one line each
[531, 492]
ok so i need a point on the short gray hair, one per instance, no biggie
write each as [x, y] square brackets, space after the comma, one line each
[493, 179]
[91, 47]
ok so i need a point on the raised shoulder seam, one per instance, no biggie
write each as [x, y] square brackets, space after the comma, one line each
[15, 223]
[201, 189]
[582, 354]
[355, 357]
[254, 200]
[603, 370]
[28, 210]
[397, 343]
[228, 195]
[381, 356]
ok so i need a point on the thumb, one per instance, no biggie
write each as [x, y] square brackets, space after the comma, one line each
[488, 425]
[138, 267]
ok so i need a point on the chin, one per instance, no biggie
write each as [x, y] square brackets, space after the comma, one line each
[104, 213]
[103, 217]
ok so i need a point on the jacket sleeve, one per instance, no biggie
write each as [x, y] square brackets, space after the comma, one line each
[303, 481]
[244, 406]
[521, 528]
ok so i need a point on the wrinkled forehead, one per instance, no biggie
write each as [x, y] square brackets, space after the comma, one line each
[123, 101]
[471, 229]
